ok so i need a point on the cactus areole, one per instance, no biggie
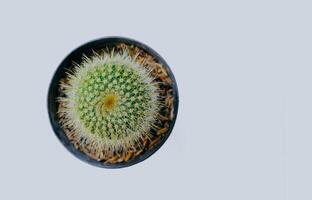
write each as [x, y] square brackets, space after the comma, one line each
[113, 102]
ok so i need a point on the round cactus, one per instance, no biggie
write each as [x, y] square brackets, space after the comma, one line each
[110, 101]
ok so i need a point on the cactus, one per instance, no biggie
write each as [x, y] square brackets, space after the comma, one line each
[110, 101]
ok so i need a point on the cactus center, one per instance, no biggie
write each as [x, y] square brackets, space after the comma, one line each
[109, 102]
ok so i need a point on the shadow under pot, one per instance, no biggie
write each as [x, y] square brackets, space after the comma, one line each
[113, 102]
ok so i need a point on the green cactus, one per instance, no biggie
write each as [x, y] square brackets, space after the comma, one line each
[110, 101]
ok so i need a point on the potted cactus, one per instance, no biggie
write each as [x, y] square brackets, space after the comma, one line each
[113, 102]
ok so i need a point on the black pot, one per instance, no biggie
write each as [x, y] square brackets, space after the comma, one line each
[54, 92]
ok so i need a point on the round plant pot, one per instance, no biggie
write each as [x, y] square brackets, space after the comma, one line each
[54, 92]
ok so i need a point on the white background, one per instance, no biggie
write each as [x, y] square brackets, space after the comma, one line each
[244, 74]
